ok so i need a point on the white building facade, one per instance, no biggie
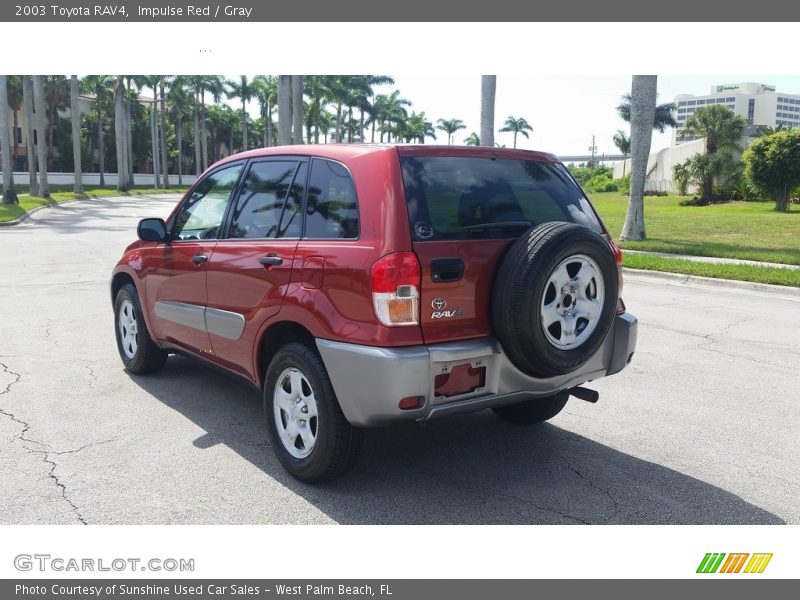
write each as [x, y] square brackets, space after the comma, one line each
[759, 104]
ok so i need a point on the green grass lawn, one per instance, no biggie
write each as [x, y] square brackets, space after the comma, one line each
[772, 275]
[64, 194]
[748, 230]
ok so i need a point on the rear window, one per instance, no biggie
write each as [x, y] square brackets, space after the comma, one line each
[456, 198]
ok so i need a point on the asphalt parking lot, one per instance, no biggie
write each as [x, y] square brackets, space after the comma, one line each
[701, 428]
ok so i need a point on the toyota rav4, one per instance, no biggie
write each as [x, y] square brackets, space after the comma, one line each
[362, 285]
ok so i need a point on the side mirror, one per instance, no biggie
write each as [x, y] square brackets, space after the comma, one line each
[152, 230]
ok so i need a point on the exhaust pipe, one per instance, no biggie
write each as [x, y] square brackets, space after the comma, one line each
[585, 394]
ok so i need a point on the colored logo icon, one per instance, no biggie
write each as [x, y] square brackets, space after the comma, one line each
[719, 562]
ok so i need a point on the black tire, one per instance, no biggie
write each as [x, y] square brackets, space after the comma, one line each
[146, 357]
[336, 442]
[531, 412]
[520, 288]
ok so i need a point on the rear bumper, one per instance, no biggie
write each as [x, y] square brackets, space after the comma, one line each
[370, 381]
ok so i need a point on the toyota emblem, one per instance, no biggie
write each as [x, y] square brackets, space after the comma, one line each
[438, 303]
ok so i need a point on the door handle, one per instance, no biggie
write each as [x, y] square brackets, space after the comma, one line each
[271, 261]
[199, 259]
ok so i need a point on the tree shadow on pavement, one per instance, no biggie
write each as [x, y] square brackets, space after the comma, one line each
[473, 469]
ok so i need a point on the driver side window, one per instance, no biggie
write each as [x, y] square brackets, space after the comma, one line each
[201, 215]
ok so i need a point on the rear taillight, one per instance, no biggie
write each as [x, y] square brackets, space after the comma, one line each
[395, 289]
[618, 261]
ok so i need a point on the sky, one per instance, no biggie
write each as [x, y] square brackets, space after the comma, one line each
[564, 111]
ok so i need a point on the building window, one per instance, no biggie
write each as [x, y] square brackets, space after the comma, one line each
[720, 100]
[751, 110]
[730, 99]
[692, 102]
[682, 103]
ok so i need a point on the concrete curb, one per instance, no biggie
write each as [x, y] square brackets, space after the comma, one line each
[709, 282]
[713, 259]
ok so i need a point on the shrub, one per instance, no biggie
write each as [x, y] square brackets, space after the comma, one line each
[624, 184]
[772, 165]
[601, 183]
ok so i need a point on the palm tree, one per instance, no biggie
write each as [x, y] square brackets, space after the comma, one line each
[100, 87]
[14, 83]
[473, 139]
[285, 109]
[643, 108]
[9, 194]
[661, 119]
[488, 86]
[623, 143]
[180, 107]
[121, 132]
[56, 97]
[317, 89]
[41, 145]
[163, 116]
[721, 127]
[27, 107]
[297, 109]
[266, 90]
[245, 91]
[450, 126]
[516, 126]
[75, 121]
[417, 127]
[389, 110]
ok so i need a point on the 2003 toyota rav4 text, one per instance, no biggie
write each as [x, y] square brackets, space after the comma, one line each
[361, 285]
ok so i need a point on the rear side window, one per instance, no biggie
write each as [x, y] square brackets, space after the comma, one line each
[262, 209]
[331, 207]
[455, 198]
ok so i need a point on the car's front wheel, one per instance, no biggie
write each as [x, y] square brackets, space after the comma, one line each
[138, 351]
[310, 435]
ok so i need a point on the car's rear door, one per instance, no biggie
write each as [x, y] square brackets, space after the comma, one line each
[251, 267]
[465, 209]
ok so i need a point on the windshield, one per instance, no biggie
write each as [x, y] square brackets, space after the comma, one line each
[453, 198]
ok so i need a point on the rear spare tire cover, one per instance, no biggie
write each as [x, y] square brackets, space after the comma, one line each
[554, 298]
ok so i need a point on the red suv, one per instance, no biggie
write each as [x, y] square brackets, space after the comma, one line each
[361, 285]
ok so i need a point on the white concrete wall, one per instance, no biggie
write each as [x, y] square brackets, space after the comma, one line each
[660, 163]
[22, 178]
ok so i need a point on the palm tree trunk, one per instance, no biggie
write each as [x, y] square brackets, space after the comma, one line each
[50, 142]
[13, 138]
[27, 103]
[119, 136]
[339, 123]
[373, 130]
[41, 146]
[75, 118]
[285, 109]
[317, 119]
[9, 194]
[244, 125]
[624, 161]
[179, 135]
[643, 108]
[297, 109]
[101, 149]
[488, 87]
[198, 163]
[269, 125]
[203, 129]
[129, 131]
[164, 158]
[515, 139]
[154, 137]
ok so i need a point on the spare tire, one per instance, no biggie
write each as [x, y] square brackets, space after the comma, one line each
[554, 298]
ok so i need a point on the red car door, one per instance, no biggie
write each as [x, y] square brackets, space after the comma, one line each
[251, 268]
[176, 273]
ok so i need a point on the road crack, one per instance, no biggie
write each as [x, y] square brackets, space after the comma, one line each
[594, 486]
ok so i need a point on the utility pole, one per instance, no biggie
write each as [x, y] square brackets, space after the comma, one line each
[593, 150]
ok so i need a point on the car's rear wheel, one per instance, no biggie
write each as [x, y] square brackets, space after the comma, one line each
[554, 298]
[310, 435]
[535, 411]
[138, 351]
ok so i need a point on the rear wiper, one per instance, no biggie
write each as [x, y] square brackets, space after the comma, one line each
[480, 226]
